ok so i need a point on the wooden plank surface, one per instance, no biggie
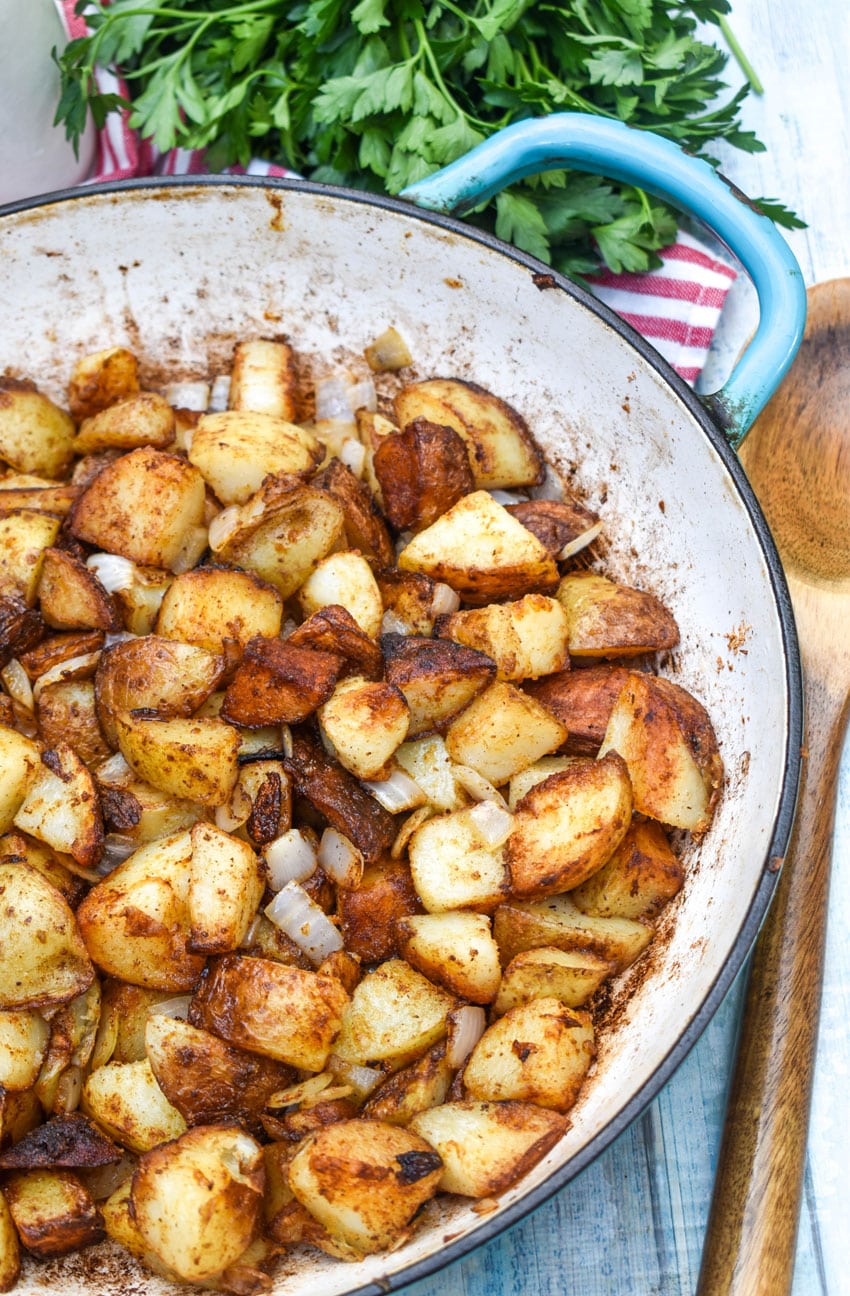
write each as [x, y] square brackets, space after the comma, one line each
[633, 1223]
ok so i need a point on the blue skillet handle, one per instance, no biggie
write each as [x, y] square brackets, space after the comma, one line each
[609, 148]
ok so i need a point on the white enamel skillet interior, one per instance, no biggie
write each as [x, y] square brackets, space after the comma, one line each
[178, 271]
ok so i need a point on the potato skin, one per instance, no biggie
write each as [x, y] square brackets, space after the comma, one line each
[369, 915]
[333, 630]
[422, 471]
[582, 700]
[281, 1012]
[554, 522]
[53, 1211]
[365, 529]
[538, 1052]
[339, 797]
[278, 683]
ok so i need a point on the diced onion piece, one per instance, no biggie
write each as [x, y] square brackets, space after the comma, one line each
[580, 541]
[392, 623]
[478, 787]
[223, 525]
[353, 454]
[188, 556]
[551, 488]
[113, 771]
[304, 922]
[340, 858]
[17, 684]
[287, 628]
[253, 931]
[120, 636]
[291, 858]
[306, 1092]
[176, 1008]
[103, 1180]
[361, 1079]
[408, 828]
[115, 850]
[188, 395]
[362, 395]
[333, 398]
[113, 572]
[73, 668]
[445, 600]
[492, 822]
[389, 351]
[286, 744]
[507, 497]
[219, 394]
[235, 812]
[466, 1026]
[398, 792]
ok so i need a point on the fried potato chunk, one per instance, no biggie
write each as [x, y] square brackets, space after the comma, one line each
[364, 1181]
[128, 1104]
[482, 552]
[437, 678]
[237, 449]
[538, 1052]
[263, 378]
[332, 629]
[502, 732]
[454, 867]
[101, 379]
[365, 721]
[556, 921]
[10, 1248]
[53, 1211]
[344, 579]
[415, 1088]
[279, 683]
[422, 471]
[487, 1146]
[562, 526]
[285, 1013]
[36, 436]
[582, 700]
[395, 1014]
[567, 826]
[226, 884]
[569, 975]
[639, 878]
[338, 796]
[501, 449]
[153, 674]
[668, 743]
[20, 759]
[24, 1036]
[71, 596]
[196, 1202]
[610, 620]
[195, 759]
[365, 529]
[61, 807]
[25, 536]
[456, 950]
[210, 605]
[525, 639]
[142, 419]
[207, 1080]
[142, 507]
[369, 914]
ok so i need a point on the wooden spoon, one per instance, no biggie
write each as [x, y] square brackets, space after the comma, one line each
[797, 457]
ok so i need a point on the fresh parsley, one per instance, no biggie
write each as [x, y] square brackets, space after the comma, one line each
[380, 94]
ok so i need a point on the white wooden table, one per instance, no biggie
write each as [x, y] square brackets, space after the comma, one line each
[633, 1223]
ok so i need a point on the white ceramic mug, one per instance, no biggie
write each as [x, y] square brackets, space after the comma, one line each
[35, 156]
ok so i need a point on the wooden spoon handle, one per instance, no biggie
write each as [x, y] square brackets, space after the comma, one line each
[752, 1228]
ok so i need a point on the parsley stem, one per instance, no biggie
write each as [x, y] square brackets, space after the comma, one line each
[739, 56]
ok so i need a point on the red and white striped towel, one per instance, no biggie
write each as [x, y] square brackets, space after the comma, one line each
[676, 307]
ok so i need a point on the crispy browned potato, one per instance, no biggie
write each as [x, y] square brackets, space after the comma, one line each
[156, 675]
[40, 494]
[61, 807]
[422, 470]
[482, 552]
[20, 758]
[365, 529]
[338, 796]
[19, 1113]
[10, 1248]
[24, 1037]
[72, 597]
[555, 921]
[66, 711]
[344, 579]
[454, 867]
[279, 683]
[126, 1101]
[281, 1012]
[208, 1081]
[365, 721]
[503, 731]
[263, 378]
[525, 639]
[501, 449]
[423, 1084]
[17, 848]
[438, 678]
[364, 1181]
[538, 1052]
[226, 884]
[567, 826]
[142, 419]
[639, 878]
[569, 975]
[100, 379]
[456, 950]
[561, 526]
[410, 597]
[282, 533]
[136, 921]
[69, 1142]
[53, 1211]
[142, 507]
[210, 605]
[332, 629]
[196, 1202]
[668, 743]
[60, 648]
[25, 535]
[369, 915]
[487, 1146]
[610, 620]
[582, 700]
[21, 628]
[194, 759]
[237, 449]
[395, 1014]
[36, 436]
